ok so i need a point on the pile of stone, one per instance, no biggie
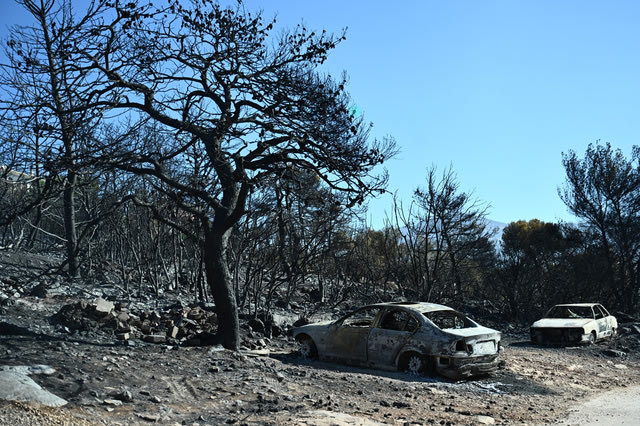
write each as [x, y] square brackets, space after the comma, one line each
[9, 289]
[176, 324]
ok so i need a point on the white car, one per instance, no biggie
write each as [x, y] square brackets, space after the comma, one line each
[574, 323]
[413, 336]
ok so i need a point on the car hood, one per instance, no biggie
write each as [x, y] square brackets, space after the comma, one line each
[473, 332]
[560, 322]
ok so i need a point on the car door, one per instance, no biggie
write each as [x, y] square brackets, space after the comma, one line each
[347, 338]
[392, 333]
[604, 321]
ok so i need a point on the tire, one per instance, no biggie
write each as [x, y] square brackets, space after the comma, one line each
[414, 363]
[592, 338]
[307, 347]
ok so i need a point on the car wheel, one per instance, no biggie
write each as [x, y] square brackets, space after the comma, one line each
[614, 332]
[308, 349]
[416, 363]
[592, 338]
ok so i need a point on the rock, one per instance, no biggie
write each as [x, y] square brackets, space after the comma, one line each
[124, 396]
[258, 352]
[103, 307]
[173, 332]
[40, 369]
[123, 336]
[123, 317]
[155, 338]
[485, 420]
[16, 385]
[123, 327]
[614, 353]
[145, 327]
[149, 417]
[332, 418]
[195, 314]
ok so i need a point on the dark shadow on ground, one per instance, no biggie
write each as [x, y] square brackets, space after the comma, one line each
[502, 381]
[11, 334]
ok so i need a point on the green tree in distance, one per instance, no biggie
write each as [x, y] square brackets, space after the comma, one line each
[531, 274]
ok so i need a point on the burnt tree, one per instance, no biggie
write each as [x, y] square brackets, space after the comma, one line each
[220, 88]
[49, 105]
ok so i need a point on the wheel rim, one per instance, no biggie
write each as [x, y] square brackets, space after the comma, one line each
[592, 338]
[305, 348]
[415, 364]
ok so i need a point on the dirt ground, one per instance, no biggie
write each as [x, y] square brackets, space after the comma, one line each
[109, 381]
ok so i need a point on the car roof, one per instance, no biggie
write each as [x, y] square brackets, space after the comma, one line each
[420, 307]
[578, 304]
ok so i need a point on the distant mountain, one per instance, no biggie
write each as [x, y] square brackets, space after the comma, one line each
[495, 228]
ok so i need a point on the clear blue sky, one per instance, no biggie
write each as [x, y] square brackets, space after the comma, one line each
[497, 89]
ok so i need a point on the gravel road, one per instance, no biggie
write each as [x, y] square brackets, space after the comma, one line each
[616, 407]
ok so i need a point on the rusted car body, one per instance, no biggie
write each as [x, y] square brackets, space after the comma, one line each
[414, 336]
[574, 323]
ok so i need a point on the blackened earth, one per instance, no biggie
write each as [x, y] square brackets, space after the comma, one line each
[175, 378]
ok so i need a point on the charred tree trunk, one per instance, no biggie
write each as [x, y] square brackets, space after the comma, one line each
[70, 224]
[62, 102]
[457, 295]
[219, 281]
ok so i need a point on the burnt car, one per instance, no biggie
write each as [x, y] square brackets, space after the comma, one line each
[574, 323]
[408, 336]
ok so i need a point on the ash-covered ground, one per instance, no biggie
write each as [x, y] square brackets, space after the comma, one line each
[141, 362]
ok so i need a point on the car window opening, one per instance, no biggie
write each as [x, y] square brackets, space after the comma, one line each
[361, 318]
[399, 320]
[449, 320]
[570, 312]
